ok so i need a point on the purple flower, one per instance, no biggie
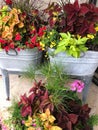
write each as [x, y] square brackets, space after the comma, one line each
[77, 85]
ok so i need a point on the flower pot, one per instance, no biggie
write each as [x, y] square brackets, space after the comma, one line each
[85, 65]
[20, 60]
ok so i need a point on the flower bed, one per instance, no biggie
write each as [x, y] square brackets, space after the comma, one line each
[51, 105]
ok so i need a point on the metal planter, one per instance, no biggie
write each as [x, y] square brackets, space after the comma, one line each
[20, 60]
[85, 65]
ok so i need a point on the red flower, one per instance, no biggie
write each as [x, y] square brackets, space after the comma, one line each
[8, 2]
[12, 45]
[41, 31]
[7, 48]
[33, 39]
[18, 49]
[2, 41]
[17, 37]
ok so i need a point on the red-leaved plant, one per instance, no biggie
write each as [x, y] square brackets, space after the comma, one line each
[78, 19]
[73, 17]
[69, 116]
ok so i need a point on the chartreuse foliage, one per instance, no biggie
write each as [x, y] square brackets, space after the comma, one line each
[72, 45]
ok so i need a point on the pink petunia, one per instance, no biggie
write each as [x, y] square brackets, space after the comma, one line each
[77, 85]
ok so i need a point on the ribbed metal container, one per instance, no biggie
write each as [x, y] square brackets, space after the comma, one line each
[85, 65]
[20, 60]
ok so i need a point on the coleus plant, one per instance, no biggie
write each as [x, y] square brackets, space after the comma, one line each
[73, 17]
[52, 105]
[78, 19]
[20, 29]
[69, 116]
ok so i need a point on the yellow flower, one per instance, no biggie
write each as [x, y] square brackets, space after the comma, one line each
[7, 33]
[51, 46]
[30, 128]
[55, 128]
[60, 38]
[96, 28]
[51, 119]
[55, 13]
[21, 25]
[47, 117]
[51, 33]
[53, 43]
[78, 36]
[90, 36]
[42, 45]
[29, 121]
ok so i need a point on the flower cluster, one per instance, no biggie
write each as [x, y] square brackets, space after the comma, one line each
[43, 121]
[77, 85]
[20, 30]
[19, 25]
[38, 111]
[80, 20]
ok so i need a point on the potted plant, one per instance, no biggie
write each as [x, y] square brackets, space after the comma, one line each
[72, 35]
[51, 105]
[21, 28]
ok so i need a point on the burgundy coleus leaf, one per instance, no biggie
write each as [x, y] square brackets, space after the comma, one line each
[31, 98]
[83, 29]
[83, 10]
[63, 120]
[25, 104]
[23, 100]
[84, 112]
[52, 21]
[73, 118]
[71, 19]
[69, 125]
[45, 102]
[36, 86]
[71, 8]
[86, 108]
[96, 10]
[26, 110]
[91, 29]
[45, 96]
[76, 5]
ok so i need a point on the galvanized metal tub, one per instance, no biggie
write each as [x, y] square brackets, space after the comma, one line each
[85, 65]
[20, 60]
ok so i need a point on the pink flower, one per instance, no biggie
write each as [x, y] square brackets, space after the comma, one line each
[77, 85]
[18, 37]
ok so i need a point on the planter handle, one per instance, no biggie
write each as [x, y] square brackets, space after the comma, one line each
[82, 54]
[10, 53]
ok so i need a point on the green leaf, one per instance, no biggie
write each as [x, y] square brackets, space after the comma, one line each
[60, 49]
